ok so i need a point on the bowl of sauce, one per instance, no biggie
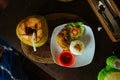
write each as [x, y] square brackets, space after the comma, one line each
[66, 58]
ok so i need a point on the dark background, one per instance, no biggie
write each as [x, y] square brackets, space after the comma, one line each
[16, 10]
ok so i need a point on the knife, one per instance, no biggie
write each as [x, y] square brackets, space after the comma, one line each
[112, 11]
[101, 9]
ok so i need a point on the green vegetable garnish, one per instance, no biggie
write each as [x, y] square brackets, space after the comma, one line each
[75, 30]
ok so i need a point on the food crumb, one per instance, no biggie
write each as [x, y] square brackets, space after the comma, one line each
[99, 29]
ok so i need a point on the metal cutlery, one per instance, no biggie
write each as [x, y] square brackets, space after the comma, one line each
[113, 26]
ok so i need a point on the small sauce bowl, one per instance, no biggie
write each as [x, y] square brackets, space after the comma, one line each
[66, 58]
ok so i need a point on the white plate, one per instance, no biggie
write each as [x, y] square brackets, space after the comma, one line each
[80, 60]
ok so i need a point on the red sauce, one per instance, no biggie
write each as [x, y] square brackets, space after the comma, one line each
[65, 58]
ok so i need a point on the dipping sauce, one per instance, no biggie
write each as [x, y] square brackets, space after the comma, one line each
[66, 58]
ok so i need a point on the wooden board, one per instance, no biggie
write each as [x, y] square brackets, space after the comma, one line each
[94, 4]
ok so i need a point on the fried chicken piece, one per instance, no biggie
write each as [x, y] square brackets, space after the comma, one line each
[62, 39]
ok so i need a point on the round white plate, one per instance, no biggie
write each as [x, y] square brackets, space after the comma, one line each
[80, 60]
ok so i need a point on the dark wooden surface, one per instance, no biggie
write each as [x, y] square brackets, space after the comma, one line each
[19, 9]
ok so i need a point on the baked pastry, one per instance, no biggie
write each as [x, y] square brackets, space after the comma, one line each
[63, 39]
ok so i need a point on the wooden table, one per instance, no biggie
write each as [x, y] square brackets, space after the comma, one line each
[19, 9]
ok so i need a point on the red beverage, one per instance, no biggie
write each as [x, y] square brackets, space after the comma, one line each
[66, 58]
